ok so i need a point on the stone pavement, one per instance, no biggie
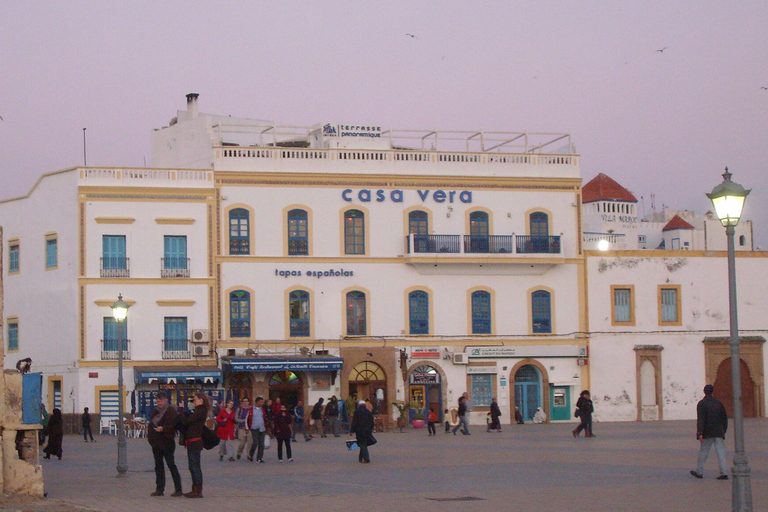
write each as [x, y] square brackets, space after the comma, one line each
[627, 467]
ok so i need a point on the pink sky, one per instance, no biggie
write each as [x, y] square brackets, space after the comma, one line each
[663, 123]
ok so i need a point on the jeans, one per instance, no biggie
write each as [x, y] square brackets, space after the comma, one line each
[706, 444]
[246, 440]
[222, 447]
[463, 422]
[194, 466]
[585, 425]
[431, 427]
[298, 426]
[258, 442]
[364, 455]
[167, 456]
[287, 449]
[333, 425]
[87, 432]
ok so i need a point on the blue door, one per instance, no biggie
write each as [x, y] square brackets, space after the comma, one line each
[175, 251]
[527, 391]
[31, 397]
[114, 252]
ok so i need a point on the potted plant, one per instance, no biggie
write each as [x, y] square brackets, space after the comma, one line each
[419, 419]
[402, 409]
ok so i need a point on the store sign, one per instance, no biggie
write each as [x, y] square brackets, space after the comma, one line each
[366, 195]
[331, 272]
[481, 369]
[254, 365]
[425, 353]
[527, 351]
[424, 378]
[351, 130]
[93, 375]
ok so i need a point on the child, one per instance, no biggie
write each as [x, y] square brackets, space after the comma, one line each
[431, 420]
[447, 422]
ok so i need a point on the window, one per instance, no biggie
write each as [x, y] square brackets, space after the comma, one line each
[418, 222]
[541, 312]
[481, 312]
[418, 312]
[298, 232]
[641, 239]
[669, 305]
[240, 314]
[111, 331]
[539, 224]
[479, 229]
[175, 262]
[481, 389]
[13, 257]
[622, 307]
[298, 306]
[175, 341]
[356, 314]
[354, 232]
[13, 335]
[742, 240]
[239, 234]
[51, 252]
[114, 262]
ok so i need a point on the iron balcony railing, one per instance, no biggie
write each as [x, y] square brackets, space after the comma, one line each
[176, 348]
[482, 244]
[109, 349]
[115, 266]
[174, 267]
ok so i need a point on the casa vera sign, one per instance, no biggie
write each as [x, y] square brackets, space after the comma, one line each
[366, 195]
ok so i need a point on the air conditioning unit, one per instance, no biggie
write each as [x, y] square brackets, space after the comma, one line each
[201, 349]
[460, 358]
[201, 335]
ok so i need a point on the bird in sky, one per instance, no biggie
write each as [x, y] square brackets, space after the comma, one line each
[660, 51]
[766, 88]
[411, 35]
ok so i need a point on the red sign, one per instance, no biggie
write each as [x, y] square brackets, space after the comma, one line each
[582, 361]
[93, 375]
[425, 353]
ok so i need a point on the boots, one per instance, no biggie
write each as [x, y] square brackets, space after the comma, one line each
[197, 492]
[575, 432]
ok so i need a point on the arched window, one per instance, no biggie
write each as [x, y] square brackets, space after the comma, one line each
[284, 378]
[240, 314]
[239, 233]
[356, 314]
[298, 232]
[418, 222]
[481, 312]
[541, 311]
[354, 232]
[478, 232]
[742, 240]
[298, 306]
[418, 312]
[539, 224]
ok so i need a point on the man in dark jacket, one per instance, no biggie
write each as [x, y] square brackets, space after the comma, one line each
[161, 434]
[711, 425]
[332, 414]
[317, 417]
[362, 427]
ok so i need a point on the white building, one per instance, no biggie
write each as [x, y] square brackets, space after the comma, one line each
[339, 259]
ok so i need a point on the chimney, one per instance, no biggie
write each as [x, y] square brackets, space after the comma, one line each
[192, 105]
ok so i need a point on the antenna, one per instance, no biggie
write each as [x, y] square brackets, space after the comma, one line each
[85, 161]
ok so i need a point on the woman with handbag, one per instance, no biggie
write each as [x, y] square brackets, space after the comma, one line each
[193, 441]
[362, 427]
[282, 424]
[225, 428]
[584, 411]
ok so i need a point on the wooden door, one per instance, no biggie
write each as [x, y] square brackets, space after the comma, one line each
[724, 389]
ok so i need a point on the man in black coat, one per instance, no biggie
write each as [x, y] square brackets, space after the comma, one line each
[711, 425]
[161, 434]
[362, 427]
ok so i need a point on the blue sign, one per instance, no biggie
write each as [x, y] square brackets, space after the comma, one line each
[275, 365]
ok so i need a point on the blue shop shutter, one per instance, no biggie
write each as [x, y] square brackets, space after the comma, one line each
[31, 397]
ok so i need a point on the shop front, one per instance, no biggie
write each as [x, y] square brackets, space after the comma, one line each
[180, 383]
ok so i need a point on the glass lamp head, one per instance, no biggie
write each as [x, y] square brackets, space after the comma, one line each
[728, 200]
[120, 309]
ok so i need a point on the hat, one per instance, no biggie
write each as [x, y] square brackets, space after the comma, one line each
[361, 402]
[162, 394]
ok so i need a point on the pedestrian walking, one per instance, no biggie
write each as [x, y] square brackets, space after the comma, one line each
[161, 434]
[317, 417]
[362, 427]
[463, 417]
[243, 419]
[44, 422]
[495, 413]
[711, 425]
[258, 430]
[584, 411]
[298, 422]
[282, 424]
[55, 435]
[193, 441]
[431, 420]
[225, 428]
[332, 415]
[85, 419]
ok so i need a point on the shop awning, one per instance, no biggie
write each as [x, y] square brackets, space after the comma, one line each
[276, 364]
[150, 374]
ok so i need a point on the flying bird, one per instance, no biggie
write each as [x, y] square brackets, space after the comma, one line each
[660, 51]
[411, 35]
[766, 88]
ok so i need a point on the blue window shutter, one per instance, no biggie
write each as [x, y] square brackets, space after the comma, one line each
[418, 312]
[541, 311]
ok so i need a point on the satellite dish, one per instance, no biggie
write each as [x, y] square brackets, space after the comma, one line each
[304, 351]
[250, 352]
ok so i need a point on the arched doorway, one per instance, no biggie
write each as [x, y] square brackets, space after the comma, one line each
[239, 387]
[527, 390]
[424, 391]
[368, 380]
[285, 385]
[724, 389]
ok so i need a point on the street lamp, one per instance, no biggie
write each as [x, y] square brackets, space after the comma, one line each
[120, 312]
[728, 200]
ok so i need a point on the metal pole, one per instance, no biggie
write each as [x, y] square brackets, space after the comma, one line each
[742, 489]
[85, 160]
[122, 455]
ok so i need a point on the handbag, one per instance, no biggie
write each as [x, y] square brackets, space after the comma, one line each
[210, 439]
[577, 413]
[267, 441]
[371, 440]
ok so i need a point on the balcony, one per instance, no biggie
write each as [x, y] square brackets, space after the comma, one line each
[109, 350]
[482, 244]
[115, 266]
[174, 267]
[176, 348]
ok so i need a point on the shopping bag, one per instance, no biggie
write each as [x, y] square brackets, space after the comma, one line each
[351, 445]
[267, 442]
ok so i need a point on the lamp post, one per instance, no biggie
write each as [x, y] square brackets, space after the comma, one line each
[728, 200]
[120, 312]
